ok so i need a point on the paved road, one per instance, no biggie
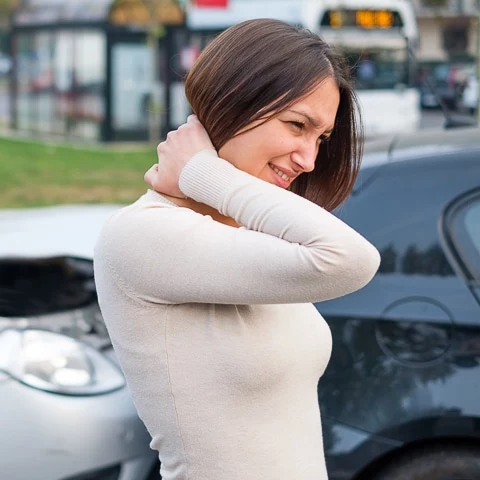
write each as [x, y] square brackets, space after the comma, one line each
[432, 118]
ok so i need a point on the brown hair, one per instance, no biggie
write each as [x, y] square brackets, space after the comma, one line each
[259, 68]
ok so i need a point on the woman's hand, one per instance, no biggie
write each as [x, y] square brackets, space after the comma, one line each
[174, 153]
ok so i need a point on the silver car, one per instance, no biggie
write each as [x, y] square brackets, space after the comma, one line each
[65, 410]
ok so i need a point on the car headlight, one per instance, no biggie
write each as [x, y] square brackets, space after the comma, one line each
[56, 363]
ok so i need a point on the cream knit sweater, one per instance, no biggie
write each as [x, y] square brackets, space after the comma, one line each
[213, 325]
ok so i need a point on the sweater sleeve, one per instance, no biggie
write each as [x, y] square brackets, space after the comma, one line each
[289, 249]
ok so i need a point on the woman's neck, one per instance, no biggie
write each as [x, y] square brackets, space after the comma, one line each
[202, 209]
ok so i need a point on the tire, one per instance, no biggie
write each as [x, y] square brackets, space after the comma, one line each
[443, 462]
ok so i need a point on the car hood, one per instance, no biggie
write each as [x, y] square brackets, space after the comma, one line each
[52, 231]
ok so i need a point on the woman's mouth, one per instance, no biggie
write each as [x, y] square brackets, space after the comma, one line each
[282, 179]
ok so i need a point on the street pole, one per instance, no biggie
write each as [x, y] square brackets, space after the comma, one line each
[155, 107]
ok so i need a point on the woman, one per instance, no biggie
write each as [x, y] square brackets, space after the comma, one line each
[206, 282]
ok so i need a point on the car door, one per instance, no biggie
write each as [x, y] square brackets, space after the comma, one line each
[399, 343]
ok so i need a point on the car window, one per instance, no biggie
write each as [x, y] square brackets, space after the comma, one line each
[462, 228]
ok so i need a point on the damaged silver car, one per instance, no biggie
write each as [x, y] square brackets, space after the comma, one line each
[66, 412]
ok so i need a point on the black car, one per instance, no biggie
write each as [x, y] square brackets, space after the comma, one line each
[400, 399]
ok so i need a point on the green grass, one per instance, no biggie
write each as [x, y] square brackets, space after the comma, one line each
[37, 174]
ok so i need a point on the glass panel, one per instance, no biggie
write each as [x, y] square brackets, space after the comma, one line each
[63, 79]
[464, 233]
[470, 246]
[461, 224]
[131, 86]
[42, 82]
[180, 109]
[472, 225]
[80, 82]
[188, 48]
[86, 109]
[378, 69]
[24, 104]
[61, 82]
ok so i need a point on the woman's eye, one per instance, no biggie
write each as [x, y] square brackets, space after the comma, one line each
[297, 125]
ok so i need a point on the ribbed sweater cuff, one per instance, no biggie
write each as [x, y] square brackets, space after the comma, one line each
[206, 177]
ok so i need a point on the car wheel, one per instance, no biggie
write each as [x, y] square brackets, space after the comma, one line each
[445, 462]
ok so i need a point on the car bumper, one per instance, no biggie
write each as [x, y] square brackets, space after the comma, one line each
[60, 437]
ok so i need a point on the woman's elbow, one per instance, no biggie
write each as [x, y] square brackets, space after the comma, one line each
[363, 261]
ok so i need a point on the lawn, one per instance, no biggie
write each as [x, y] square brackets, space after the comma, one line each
[35, 174]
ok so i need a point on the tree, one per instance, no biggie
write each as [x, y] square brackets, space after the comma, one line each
[6, 9]
[411, 261]
[389, 259]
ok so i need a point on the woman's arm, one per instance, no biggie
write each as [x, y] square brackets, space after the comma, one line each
[289, 251]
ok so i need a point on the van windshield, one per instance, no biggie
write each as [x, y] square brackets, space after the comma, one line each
[375, 69]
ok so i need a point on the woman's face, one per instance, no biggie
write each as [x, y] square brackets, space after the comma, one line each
[286, 146]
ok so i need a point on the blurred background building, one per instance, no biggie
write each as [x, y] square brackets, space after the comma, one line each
[448, 29]
[448, 53]
[84, 68]
[113, 70]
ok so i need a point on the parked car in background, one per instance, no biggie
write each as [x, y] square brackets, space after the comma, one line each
[470, 94]
[443, 83]
[400, 397]
[65, 410]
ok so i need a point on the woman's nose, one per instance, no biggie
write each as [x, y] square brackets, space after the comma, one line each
[305, 155]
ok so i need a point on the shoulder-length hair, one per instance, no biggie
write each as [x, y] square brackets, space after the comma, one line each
[259, 68]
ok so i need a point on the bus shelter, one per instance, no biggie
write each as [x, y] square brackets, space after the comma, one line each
[83, 69]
